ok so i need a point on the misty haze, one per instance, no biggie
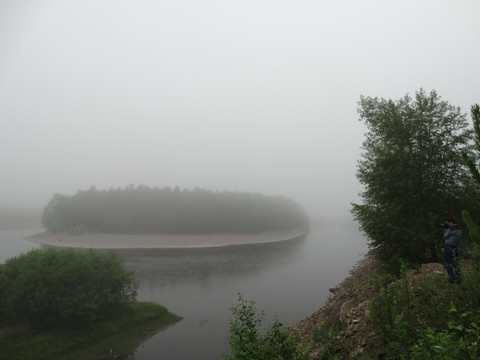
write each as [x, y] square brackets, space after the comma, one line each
[229, 127]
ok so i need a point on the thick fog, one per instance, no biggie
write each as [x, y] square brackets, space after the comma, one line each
[256, 96]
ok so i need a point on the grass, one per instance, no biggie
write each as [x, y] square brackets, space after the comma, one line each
[108, 339]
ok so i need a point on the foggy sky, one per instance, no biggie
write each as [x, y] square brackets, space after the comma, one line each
[256, 96]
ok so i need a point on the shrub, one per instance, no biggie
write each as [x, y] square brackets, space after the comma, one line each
[248, 342]
[392, 315]
[460, 341]
[330, 336]
[428, 317]
[50, 288]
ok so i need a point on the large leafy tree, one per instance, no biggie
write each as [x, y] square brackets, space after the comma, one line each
[412, 173]
[472, 160]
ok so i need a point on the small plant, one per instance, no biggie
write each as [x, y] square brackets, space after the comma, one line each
[249, 342]
[392, 315]
[471, 277]
[329, 336]
[460, 341]
[418, 320]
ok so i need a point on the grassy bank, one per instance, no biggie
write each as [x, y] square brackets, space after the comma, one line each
[104, 340]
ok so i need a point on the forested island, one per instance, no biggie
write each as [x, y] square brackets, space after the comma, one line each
[142, 209]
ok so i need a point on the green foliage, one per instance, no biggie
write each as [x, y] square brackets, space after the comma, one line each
[152, 210]
[460, 341]
[405, 315]
[248, 342]
[471, 278]
[412, 173]
[330, 336]
[473, 230]
[471, 159]
[414, 178]
[51, 288]
[107, 339]
[392, 315]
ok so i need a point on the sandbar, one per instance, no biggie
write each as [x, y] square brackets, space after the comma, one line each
[158, 241]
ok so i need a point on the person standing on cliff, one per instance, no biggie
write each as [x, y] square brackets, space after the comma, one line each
[452, 235]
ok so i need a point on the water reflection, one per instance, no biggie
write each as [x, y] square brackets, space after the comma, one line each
[199, 264]
[289, 279]
[201, 285]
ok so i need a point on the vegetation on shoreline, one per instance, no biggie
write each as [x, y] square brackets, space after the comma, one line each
[65, 304]
[152, 210]
[415, 168]
[413, 175]
[52, 288]
[374, 315]
[106, 339]
[420, 166]
[249, 342]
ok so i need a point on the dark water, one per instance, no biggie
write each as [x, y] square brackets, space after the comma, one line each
[286, 279]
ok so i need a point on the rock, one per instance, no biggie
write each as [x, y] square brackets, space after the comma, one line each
[347, 308]
[346, 311]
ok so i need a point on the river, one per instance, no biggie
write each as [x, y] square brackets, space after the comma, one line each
[289, 279]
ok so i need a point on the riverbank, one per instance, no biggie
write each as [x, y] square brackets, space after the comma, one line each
[344, 327]
[158, 241]
[108, 339]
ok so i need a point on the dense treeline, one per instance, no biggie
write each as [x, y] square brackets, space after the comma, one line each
[143, 209]
[420, 166]
[76, 305]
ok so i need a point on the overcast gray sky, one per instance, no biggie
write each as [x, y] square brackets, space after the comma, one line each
[256, 96]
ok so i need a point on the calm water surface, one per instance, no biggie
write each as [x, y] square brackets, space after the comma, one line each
[286, 279]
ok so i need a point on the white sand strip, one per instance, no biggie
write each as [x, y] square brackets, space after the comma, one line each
[158, 241]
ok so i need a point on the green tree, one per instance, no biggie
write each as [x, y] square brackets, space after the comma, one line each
[472, 159]
[50, 288]
[412, 173]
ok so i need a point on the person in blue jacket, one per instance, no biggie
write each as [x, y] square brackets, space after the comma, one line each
[452, 235]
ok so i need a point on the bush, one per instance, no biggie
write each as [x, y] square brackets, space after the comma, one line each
[460, 341]
[392, 314]
[249, 343]
[51, 288]
[330, 336]
[428, 318]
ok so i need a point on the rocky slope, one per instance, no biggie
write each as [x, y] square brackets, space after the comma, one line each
[345, 315]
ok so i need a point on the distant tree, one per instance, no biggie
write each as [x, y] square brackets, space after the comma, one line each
[153, 210]
[412, 173]
[55, 214]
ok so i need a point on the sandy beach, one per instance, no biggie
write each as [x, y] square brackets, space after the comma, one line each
[157, 241]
